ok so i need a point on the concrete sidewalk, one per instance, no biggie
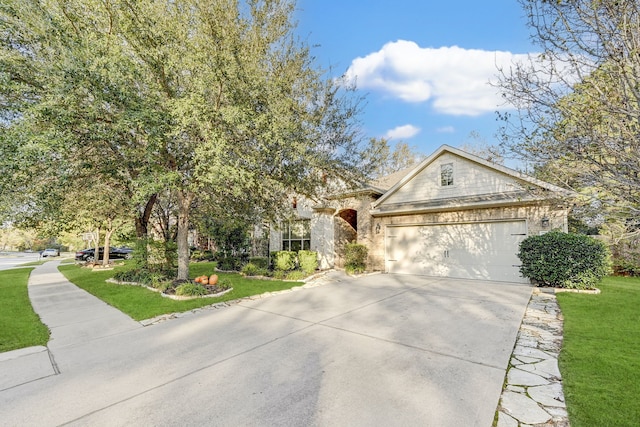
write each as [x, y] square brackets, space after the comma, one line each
[72, 315]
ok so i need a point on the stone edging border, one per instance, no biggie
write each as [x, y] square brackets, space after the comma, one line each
[318, 281]
[533, 393]
[595, 291]
[173, 297]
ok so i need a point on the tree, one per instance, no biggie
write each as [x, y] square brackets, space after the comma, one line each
[477, 145]
[195, 97]
[578, 100]
[73, 106]
[387, 160]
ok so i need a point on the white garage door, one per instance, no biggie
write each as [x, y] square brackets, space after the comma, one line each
[485, 250]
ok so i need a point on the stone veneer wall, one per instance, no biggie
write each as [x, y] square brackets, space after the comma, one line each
[322, 238]
[362, 205]
[533, 214]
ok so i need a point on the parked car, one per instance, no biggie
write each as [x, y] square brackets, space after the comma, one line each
[114, 253]
[122, 252]
[50, 252]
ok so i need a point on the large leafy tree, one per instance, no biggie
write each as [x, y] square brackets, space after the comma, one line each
[199, 97]
[73, 107]
[579, 100]
[387, 159]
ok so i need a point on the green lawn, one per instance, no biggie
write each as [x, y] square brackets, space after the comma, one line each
[141, 303]
[600, 359]
[33, 263]
[20, 326]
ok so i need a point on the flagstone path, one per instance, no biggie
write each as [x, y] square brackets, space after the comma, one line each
[533, 393]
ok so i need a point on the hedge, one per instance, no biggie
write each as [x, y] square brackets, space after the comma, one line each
[564, 260]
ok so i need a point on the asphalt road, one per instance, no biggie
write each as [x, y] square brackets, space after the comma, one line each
[14, 259]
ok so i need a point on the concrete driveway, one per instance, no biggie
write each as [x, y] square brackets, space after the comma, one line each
[378, 350]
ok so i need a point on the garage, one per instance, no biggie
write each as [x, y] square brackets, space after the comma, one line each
[473, 250]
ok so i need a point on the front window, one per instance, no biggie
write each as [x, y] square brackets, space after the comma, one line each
[296, 235]
[446, 174]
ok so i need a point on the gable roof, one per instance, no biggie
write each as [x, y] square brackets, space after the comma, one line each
[376, 187]
[409, 175]
[384, 183]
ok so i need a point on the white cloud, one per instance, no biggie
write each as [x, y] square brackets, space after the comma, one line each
[405, 131]
[446, 129]
[454, 79]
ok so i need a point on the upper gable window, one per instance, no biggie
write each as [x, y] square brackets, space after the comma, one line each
[446, 174]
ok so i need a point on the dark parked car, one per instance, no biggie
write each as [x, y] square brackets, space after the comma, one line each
[114, 253]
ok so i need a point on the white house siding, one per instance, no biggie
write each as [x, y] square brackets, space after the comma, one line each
[473, 250]
[531, 214]
[470, 179]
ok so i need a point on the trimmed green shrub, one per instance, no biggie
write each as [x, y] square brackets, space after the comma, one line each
[308, 261]
[163, 286]
[284, 260]
[143, 276]
[230, 263]
[564, 260]
[200, 255]
[355, 258]
[260, 261]
[251, 269]
[626, 267]
[191, 290]
[225, 283]
[295, 275]
[137, 275]
[279, 274]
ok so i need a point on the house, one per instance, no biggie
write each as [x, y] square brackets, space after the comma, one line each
[453, 215]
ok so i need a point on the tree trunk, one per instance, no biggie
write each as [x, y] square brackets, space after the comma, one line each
[142, 220]
[107, 242]
[142, 230]
[96, 253]
[185, 197]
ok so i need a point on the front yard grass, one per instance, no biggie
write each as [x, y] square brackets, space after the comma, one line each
[141, 303]
[20, 326]
[600, 358]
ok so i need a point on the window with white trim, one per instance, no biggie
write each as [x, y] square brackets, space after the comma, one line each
[296, 235]
[446, 174]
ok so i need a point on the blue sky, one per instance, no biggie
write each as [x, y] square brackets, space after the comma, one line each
[424, 65]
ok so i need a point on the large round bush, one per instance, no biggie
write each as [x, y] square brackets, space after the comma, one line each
[564, 260]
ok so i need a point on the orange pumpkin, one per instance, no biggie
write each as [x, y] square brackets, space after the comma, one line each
[213, 279]
[204, 281]
[198, 279]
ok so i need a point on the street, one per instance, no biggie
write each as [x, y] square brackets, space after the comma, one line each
[13, 259]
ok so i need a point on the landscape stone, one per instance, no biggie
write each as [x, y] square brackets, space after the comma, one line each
[527, 341]
[531, 352]
[523, 408]
[519, 377]
[548, 395]
[505, 420]
[525, 359]
[557, 412]
[547, 368]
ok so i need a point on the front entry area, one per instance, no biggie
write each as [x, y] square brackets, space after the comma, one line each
[474, 250]
[345, 232]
